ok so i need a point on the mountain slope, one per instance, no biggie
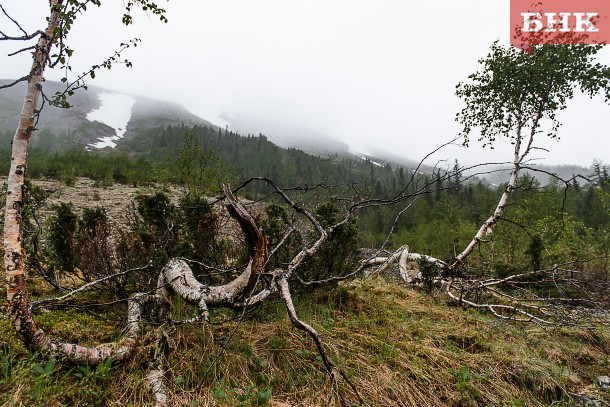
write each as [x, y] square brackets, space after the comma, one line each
[103, 119]
[99, 118]
[92, 119]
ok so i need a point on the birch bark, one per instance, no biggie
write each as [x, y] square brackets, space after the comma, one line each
[14, 255]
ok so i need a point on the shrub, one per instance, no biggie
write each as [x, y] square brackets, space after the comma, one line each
[60, 237]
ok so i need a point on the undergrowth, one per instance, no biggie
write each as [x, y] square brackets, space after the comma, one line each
[399, 347]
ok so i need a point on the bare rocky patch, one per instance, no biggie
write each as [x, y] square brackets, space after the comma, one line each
[116, 199]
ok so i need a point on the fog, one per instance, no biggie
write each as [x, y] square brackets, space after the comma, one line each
[374, 75]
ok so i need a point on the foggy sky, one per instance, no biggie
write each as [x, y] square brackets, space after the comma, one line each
[379, 73]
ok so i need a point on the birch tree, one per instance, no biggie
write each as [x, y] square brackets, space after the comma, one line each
[50, 50]
[517, 96]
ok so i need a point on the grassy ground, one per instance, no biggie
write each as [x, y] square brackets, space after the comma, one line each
[399, 347]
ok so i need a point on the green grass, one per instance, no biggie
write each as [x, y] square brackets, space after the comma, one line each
[399, 347]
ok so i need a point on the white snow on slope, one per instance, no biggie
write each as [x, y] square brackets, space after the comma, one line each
[221, 120]
[114, 111]
[359, 151]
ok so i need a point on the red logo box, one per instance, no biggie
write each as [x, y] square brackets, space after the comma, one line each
[559, 22]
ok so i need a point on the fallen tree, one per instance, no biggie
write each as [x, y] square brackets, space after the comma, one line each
[250, 288]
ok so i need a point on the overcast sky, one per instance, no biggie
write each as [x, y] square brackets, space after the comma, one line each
[364, 72]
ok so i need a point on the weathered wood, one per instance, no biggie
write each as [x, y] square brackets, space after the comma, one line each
[179, 277]
[402, 256]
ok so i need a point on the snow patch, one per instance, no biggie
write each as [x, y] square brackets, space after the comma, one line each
[114, 111]
[221, 120]
[359, 151]
[365, 158]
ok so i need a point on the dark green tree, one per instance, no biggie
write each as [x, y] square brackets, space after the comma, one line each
[275, 226]
[198, 229]
[201, 170]
[60, 237]
[337, 256]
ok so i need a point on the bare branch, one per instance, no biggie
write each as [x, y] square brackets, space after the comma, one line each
[13, 20]
[284, 289]
[15, 82]
[47, 301]
[22, 50]
[26, 37]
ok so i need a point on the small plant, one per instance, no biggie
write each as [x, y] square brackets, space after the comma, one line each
[219, 394]
[254, 396]
[388, 351]
[68, 176]
[6, 364]
[44, 377]
[429, 272]
[464, 384]
[100, 374]
[92, 379]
